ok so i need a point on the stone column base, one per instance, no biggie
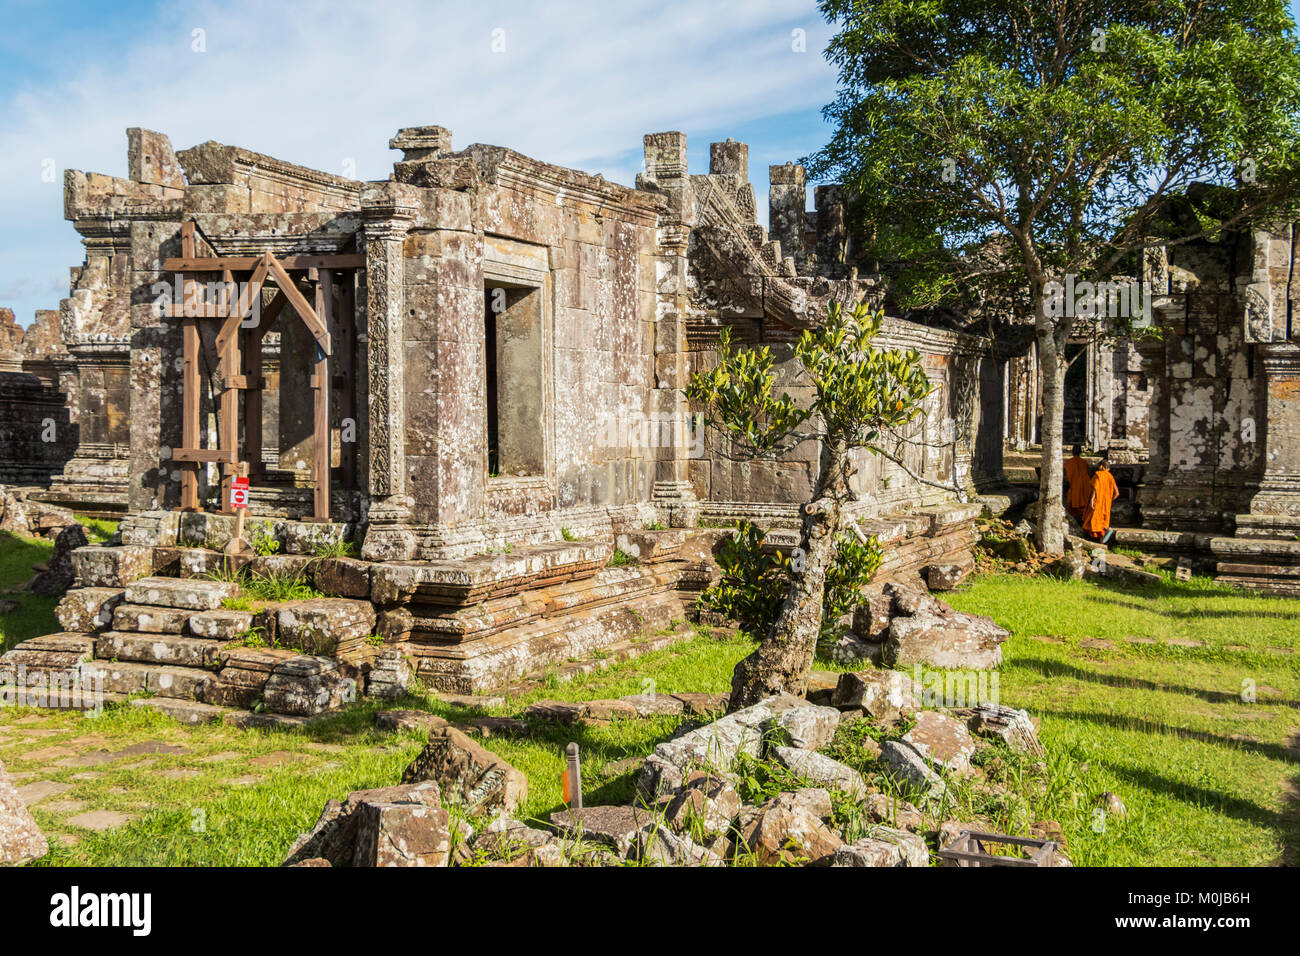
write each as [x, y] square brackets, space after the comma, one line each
[676, 501]
[387, 536]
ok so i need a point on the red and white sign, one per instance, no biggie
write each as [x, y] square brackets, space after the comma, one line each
[238, 492]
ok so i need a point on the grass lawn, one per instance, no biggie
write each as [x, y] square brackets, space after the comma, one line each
[1208, 779]
[1145, 690]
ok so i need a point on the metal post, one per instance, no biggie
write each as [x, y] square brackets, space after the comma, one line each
[574, 775]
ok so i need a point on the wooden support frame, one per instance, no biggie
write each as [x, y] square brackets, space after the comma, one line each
[239, 360]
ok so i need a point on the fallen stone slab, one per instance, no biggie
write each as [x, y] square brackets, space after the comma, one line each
[784, 833]
[413, 720]
[884, 846]
[615, 827]
[906, 765]
[943, 740]
[887, 695]
[705, 806]
[402, 834]
[956, 642]
[191, 594]
[558, 711]
[713, 746]
[190, 712]
[804, 728]
[21, 840]
[822, 770]
[469, 775]
[87, 610]
[652, 705]
[1013, 727]
[334, 837]
[658, 845]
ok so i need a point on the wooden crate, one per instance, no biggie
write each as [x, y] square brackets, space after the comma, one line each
[969, 850]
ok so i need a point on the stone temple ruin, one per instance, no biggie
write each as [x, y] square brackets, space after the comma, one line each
[473, 372]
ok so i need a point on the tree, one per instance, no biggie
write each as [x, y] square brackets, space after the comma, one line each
[859, 394]
[1060, 134]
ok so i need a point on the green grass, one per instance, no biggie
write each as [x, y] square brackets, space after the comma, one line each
[1208, 778]
[35, 614]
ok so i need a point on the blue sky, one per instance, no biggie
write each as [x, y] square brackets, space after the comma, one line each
[326, 84]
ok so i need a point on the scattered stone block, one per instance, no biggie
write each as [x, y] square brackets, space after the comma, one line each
[885, 846]
[886, 695]
[87, 610]
[658, 845]
[1014, 727]
[304, 686]
[402, 834]
[468, 775]
[784, 833]
[335, 836]
[907, 765]
[822, 770]
[21, 840]
[615, 827]
[804, 728]
[942, 739]
[558, 711]
[947, 577]
[415, 720]
[390, 675]
[705, 804]
[651, 705]
[871, 615]
[955, 641]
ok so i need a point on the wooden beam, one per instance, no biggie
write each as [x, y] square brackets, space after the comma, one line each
[318, 328]
[220, 456]
[190, 383]
[228, 363]
[188, 262]
[321, 387]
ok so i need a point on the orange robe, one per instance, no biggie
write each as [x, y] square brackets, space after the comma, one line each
[1104, 490]
[1079, 482]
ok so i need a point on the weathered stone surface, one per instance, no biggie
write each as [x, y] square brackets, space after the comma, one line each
[942, 739]
[334, 837]
[327, 626]
[559, 711]
[220, 625]
[508, 838]
[1015, 727]
[909, 602]
[402, 834]
[907, 765]
[704, 807]
[650, 705]
[805, 728]
[416, 720]
[886, 695]
[88, 609]
[311, 537]
[946, 577]
[468, 774]
[62, 571]
[191, 594]
[713, 746]
[157, 649]
[616, 827]
[658, 845]
[304, 686]
[884, 847]
[822, 770]
[147, 619]
[871, 616]
[342, 577]
[892, 811]
[99, 566]
[609, 710]
[956, 641]
[390, 675]
[785, 833]
[850, 650]
[21, 840]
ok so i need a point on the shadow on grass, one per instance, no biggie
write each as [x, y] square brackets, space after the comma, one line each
[1050, 668]
[1138, 725]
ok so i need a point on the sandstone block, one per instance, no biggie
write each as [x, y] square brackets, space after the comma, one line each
[88, 609]
[100, 566]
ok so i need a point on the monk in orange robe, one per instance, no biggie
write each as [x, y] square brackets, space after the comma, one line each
[1096, 519]
[1078, 482]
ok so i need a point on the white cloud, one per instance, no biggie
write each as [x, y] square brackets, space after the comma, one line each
[318, 84]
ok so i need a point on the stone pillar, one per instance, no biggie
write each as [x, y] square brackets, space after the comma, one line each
[665, 162]
[832, 233]
[1279, 488]
[728, 159]
[787, 198]
[388, 210]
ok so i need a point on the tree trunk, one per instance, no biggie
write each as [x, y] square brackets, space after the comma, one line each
[782, 663]
[1051, 368]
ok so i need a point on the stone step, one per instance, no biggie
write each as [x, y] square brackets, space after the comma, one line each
[194, 594]
[166, 649]
[469, 580]
[149, 619]
[185, 711]
[125, 677]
